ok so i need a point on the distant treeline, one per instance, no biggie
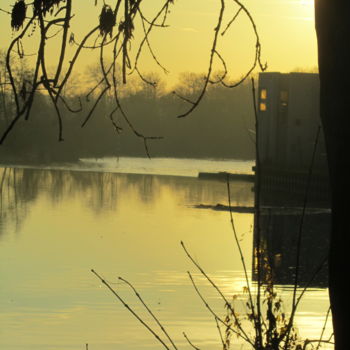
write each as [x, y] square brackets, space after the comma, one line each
[221, 127]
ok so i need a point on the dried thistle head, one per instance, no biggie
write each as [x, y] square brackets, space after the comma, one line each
[45, 6]
[107, 20]
[127, 27]
[18, 14]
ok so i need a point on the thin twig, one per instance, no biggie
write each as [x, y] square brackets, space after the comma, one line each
[245, 336]
[149, 311]
[300, 232]
[324, 328]
[220, 334]
[258, 175]
[130, 309]
[241, 334]
[189, 342]
[241, 257]
[211, 60]
[232, 20]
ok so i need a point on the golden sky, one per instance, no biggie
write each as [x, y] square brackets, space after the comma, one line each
[286, 29]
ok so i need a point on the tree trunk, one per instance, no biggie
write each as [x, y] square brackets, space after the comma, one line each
[333, 35]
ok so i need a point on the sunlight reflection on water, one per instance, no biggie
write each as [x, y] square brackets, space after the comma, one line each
[57, 225]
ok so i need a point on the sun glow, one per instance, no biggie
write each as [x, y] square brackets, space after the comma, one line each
[307, 3]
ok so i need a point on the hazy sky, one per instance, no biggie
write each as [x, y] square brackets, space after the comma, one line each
[286, 30]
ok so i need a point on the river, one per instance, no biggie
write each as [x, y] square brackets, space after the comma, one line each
[125, 217]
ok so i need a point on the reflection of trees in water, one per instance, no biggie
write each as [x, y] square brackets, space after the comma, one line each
[12, 209]
[100, 192]
[194, 191]
[145, 187]
[279, 236]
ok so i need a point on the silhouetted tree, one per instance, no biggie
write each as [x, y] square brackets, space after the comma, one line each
[51, 20]
[333, 34]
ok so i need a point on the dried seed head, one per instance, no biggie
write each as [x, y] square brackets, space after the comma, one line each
[45, 6]
[18, 14]
[127, 27]
[71, 39]
[107, 20]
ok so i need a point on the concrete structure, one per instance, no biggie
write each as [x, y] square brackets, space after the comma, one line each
[288, 113]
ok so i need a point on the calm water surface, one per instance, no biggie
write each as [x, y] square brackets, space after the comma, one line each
[58, 224]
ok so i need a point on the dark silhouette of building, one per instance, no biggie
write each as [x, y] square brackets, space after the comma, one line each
[289, 122]
[293, 175]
